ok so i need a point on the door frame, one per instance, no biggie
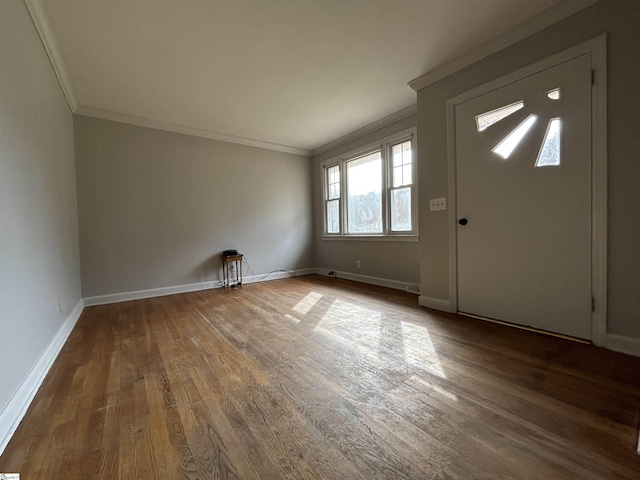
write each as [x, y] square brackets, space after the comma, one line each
[597, 47]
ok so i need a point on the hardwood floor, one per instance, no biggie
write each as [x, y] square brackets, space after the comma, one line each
[313, 377]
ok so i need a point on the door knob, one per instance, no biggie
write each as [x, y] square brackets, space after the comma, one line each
[463, 221]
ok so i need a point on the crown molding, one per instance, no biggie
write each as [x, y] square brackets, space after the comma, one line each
[176, 128]
[372, 127]
[533, 25]
[41, 22]
[548, 17]
[43, 26]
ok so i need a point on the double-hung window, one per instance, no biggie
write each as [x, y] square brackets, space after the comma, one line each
[332, 202]
[371, 192]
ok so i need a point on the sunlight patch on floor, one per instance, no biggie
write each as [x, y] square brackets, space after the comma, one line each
[293, 319]
[307, 303]
[353, 321]
[436, 388]
[419, 349]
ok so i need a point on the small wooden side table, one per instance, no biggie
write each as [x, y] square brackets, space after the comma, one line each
[236, 261]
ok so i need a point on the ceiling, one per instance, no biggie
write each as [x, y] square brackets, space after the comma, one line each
[291, 75]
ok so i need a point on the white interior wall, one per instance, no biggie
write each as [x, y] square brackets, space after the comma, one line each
[39, 261]
[157, 208]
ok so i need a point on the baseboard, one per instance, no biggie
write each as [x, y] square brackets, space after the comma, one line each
[192, 287]
[381, 282]
[150, 293]
[436, 304]
[12, 414]
[622, 344]
[279, 274]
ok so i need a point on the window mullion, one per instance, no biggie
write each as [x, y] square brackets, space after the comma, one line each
[343, 197]
[330, 199]
[386, 178]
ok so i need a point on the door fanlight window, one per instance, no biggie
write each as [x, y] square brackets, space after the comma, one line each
[549, 155]
[549, 152]
[487, 119]
[554, 94]
[506, 147]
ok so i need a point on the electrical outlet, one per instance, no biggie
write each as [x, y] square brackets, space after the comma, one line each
[357, 263]
[437, 204]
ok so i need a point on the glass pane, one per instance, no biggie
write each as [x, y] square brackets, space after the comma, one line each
[364, 194]
[554, 94]
[397, 176]
[397, 155]
[485, 120]
[549, 155]
[406, 153]
[333, 182]
[401, 210]
[333, 216]
[401, 153]
[406, 175]
[401, 172]
[506, 147]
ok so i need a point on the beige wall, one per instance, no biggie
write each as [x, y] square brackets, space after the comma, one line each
[620, 20]
[391, 260]
[39, 262]
[157, 208]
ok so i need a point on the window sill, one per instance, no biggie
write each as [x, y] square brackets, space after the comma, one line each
[372, 238]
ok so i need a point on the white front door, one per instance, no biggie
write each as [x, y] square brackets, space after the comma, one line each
[523, 183]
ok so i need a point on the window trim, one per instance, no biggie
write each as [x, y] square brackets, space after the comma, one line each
[345, 206]
[326, 200]
[385, 146]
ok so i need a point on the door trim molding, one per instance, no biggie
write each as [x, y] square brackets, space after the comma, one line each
[597, 47]
[436, 304]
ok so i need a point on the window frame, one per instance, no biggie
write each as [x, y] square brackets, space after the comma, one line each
[327, 199]
[384, 146]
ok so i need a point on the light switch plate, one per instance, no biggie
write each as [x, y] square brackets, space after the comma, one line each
[437, 204]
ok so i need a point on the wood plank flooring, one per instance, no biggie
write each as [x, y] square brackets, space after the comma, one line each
[313, 377]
